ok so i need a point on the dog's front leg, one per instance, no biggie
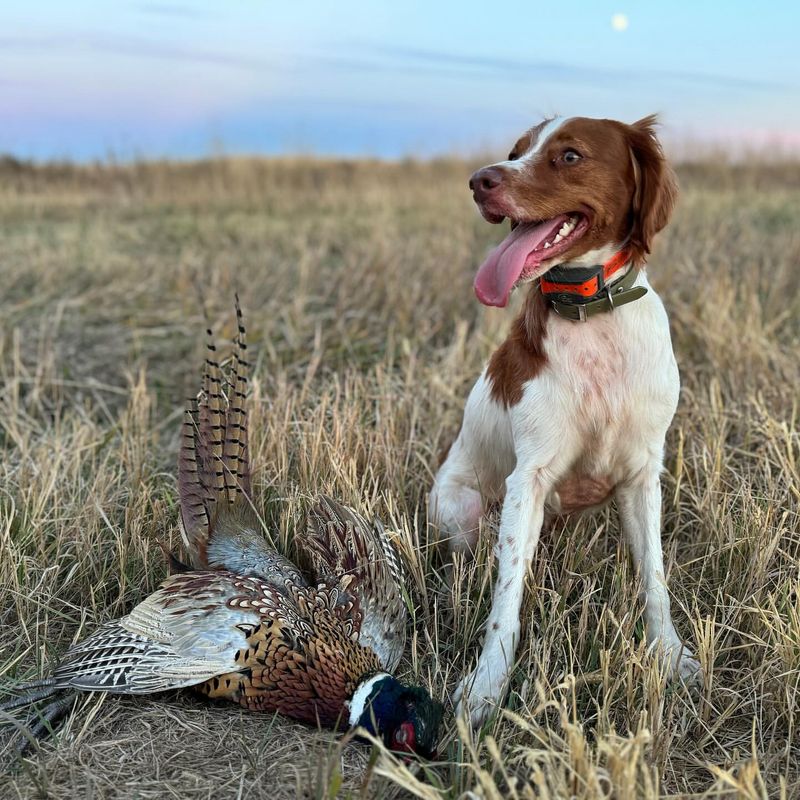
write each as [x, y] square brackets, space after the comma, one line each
[639, 500]
[520, 526]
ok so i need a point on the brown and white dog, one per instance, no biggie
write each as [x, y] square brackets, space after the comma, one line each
[573, 408]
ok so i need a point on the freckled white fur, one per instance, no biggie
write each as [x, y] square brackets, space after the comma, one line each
[600, 408]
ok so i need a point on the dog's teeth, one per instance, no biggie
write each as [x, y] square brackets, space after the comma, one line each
[565, 229]
[546, 245]
[558, 238]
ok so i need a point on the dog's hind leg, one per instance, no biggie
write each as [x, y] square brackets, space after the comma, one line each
[455, 502]
[474, 471]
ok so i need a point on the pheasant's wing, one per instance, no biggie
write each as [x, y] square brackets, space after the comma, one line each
[221, 529]
[344, 550]
[189, 630]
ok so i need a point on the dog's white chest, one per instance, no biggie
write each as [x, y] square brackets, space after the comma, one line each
[588, 362]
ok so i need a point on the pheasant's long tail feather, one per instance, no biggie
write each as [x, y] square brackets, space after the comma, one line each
[343, 549]
[235, 457]
[196, 498]
[214, 478]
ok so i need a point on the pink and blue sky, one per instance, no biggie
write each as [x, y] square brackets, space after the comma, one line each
[89, 79]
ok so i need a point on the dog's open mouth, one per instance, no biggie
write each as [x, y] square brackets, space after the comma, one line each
[526, 254]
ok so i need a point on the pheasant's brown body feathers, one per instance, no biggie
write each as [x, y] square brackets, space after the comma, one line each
[230, 636]
[346, 551]
[299, 660]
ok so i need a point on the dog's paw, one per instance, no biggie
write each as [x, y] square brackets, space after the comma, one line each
[681, 663]
[688, 670]
[478, 694]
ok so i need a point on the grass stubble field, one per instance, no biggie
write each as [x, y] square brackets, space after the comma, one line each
[356, 284]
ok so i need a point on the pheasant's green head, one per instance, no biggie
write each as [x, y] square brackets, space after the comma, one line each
[406, 718]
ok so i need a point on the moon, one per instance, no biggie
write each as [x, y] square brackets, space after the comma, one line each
[619, 22]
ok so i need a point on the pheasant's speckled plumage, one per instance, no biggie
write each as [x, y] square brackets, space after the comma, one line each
[229, 636]
[344, 551]
[243, 623]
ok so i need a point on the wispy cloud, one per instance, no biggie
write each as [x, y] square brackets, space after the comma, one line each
[116, 45]
[524, 69]
[371, 58]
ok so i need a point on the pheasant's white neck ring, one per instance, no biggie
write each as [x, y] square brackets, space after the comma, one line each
[359, 700]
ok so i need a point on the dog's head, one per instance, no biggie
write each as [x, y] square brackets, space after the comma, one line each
[575, 190]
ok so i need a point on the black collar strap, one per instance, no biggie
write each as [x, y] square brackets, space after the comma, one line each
[578, 293]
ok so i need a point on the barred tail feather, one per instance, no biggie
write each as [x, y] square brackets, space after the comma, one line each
[213, 465]
[235, 456]
[196, 501]
[211, 421]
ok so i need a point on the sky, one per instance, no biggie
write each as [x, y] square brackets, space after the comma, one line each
[92, 79]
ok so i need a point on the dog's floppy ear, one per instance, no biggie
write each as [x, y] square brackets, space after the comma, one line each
[656, 188]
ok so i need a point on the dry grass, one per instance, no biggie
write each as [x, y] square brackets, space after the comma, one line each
[355, 279]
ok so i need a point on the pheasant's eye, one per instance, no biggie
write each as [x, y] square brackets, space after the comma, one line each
[571, 156]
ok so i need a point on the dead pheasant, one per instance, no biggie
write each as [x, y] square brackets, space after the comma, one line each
[244, 623]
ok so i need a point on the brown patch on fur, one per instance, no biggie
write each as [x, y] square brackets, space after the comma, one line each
[521, 357]
[523, 144]
[527, 140]
[580, 492]
[656, 187]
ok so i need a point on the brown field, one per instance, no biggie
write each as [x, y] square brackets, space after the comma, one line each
[356, 284]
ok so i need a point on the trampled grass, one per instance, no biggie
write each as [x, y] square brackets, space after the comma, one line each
[356, 284]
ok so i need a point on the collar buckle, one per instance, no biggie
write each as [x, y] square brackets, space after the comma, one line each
[574, 297]
[610, 295]
[577, 308]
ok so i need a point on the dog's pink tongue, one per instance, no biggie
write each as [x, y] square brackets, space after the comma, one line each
[503, 267]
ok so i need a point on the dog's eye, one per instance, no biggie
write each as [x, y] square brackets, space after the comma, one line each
[571, 156]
